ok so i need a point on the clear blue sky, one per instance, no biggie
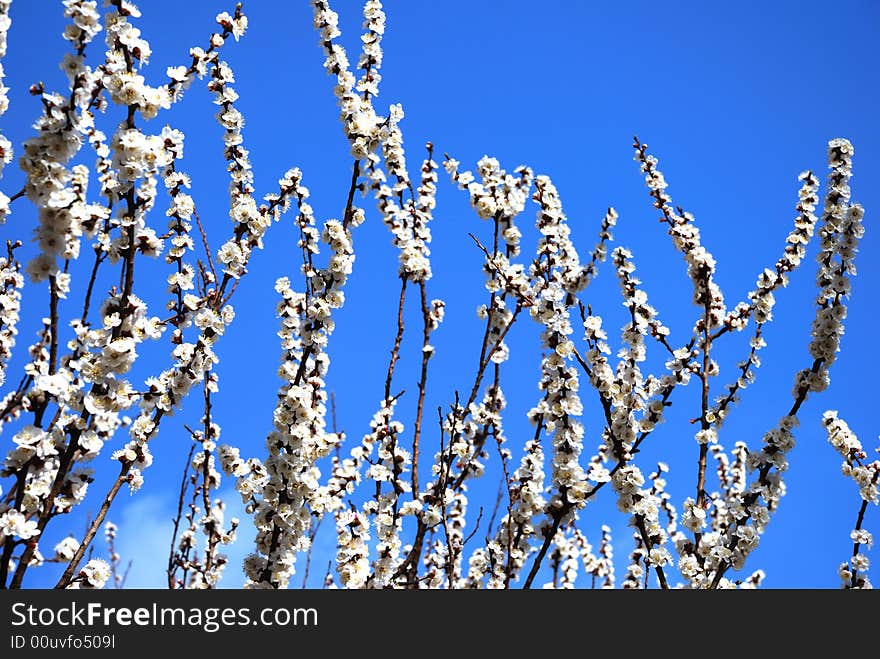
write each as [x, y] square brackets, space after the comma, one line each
[735, 100]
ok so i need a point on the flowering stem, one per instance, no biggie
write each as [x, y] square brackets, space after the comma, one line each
[859, 521]
[514, 538]
[745, 373]
[125, 309]
[312, 534]
[102, 513]
[855, 581]
[762, 475]
[640, 525]
[46, 512]
[69, 571]
[172, 553]
[211, 520]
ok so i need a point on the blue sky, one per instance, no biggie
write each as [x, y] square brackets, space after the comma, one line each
[735, 100]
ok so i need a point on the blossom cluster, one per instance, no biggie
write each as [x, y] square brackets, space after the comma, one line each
[281, 510]
[359, 120]
[6, 151]
[11, 283]
[686, 238]
[56, 191]
[748, 512]
[866, 475]
[558, 274]
[406, 219]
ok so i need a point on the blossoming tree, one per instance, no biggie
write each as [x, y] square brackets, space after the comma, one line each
[111, 193]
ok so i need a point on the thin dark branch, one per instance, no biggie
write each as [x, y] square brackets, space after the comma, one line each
[172, 552]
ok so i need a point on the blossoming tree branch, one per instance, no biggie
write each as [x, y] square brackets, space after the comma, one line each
[111, 192]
